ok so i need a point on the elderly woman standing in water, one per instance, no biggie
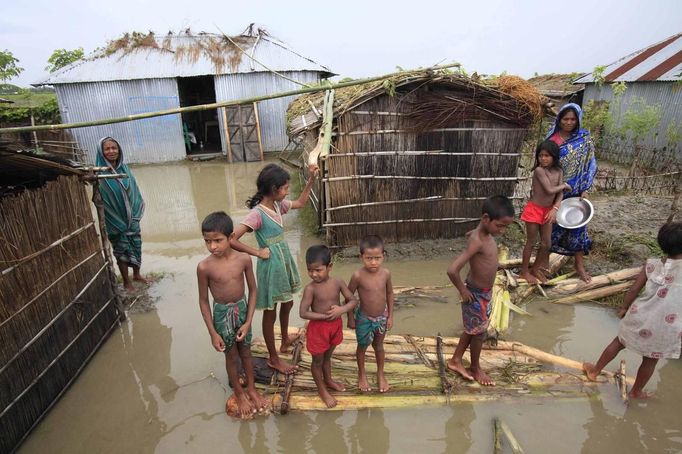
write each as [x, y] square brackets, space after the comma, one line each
[123, 210]
[578, 162]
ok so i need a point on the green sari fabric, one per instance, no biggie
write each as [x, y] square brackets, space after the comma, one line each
[123, 208]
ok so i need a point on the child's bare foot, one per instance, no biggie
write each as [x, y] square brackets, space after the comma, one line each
[281, 366]
[481, 377]
[363, 384]
[529, 277]
[288, 342]
[327, 398]
[129, 287]
[539, 275]
[590, 372]
[459, 368]
[583, 275]
[639, 394]
[383, 384]
[259, 401]
[336, 386]
[140, 278]
[244, 410]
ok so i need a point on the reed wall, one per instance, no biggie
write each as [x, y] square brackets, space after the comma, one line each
[390, 151]
[57, 300]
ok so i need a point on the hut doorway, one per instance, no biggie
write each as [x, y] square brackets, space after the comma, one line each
[201, 130]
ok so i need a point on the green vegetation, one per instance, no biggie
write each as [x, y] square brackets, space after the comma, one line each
[63, 57]
[8, 66]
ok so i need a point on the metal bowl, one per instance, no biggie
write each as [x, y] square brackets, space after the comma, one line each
[574, 213]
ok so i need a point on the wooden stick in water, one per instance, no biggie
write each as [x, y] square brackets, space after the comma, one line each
[513, 442]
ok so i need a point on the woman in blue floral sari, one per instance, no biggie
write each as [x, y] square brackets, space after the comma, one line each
[123, 210]
[579, 165]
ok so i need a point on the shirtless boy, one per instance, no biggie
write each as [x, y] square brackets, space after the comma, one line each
[374, 315]
[481, 254]
[229, 326]
[320, 305]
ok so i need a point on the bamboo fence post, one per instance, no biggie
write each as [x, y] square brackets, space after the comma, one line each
[446, 386]
[226, 134]
[260, 143]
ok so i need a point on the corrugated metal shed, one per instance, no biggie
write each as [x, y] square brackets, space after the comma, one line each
[659, 62]
[185, 55]
[272, 113]
[155, 139]
[653, 93]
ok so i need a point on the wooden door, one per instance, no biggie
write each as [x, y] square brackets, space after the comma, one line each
[243, 130]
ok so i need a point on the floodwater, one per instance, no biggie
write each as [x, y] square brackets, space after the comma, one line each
[157, 385]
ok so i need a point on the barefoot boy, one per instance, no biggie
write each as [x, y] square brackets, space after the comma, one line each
[481, 253]
[223, 274]
[374, 314]
[320, 305]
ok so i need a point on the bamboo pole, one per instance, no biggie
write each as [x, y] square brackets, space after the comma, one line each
[446, 386]
[260, 143]
[289, 383]
[622, 382]
[570, 286]
[211, 106]
[409, 131]
[502, 427]
[23, 260]
[590, 295]
[417, 153]
[392, 221]
[413, 177]
[226, 134]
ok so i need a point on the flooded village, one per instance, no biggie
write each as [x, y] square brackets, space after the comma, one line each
[97, 360]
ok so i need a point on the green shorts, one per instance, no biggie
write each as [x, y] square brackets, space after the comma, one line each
[228, 318]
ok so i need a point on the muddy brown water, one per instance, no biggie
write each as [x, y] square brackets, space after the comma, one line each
[157, 385]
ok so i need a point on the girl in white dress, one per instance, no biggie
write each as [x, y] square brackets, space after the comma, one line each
[652, 321]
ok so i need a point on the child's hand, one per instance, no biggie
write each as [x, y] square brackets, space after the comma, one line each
[550, 217]
[218, 343]
[567, 187]
[314, 170]
[351, 323]
[264, 253]
[334, 312]
[242, 332]
[389, 323]
[466, 295]
[583, 195]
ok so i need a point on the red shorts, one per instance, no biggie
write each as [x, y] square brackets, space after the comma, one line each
[535, 213]
[321, 335]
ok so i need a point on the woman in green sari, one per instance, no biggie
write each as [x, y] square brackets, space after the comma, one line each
[123, 210]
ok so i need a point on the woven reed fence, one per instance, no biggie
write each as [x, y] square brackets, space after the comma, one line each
[57, 300]
[403, 171]
[661, 159]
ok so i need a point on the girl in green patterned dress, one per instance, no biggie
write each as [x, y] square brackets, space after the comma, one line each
[276, 271]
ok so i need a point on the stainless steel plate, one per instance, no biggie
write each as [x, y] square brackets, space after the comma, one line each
[574, 213]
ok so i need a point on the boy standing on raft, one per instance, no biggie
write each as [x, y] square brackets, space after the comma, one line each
[223, 273]
[374, 315]
[481, 254]
[320, 305]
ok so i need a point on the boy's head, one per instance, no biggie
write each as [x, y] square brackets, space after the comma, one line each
[217, 229]
[670, 238]
[372, 252]
[498, 213]
[318, 259]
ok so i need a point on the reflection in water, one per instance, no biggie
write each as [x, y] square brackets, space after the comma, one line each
[252, 442]
[458, 428]
[369, 433]
[328, 435]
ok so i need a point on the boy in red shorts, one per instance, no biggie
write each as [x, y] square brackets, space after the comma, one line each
[320, 305]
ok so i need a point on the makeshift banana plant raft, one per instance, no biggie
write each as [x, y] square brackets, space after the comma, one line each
[416, 370]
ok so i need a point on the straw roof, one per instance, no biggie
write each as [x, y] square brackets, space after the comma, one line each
[512, 97]
[556, 85]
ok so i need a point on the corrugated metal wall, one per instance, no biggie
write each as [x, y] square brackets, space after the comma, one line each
[653, 93]
[156, 139]
[272, 113]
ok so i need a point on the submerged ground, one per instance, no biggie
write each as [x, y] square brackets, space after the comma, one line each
[157, 385]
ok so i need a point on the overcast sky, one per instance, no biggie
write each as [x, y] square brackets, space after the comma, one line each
[363, 38]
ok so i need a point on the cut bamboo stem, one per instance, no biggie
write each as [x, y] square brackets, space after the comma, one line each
[590, 295]
[570, 286]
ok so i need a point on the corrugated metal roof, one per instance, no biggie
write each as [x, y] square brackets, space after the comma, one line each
[659, 62]
[185, 55]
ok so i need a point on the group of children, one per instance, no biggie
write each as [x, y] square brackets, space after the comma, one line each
[371, 313]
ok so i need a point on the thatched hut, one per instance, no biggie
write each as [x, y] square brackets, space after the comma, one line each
[414, 156]
[57, 295]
